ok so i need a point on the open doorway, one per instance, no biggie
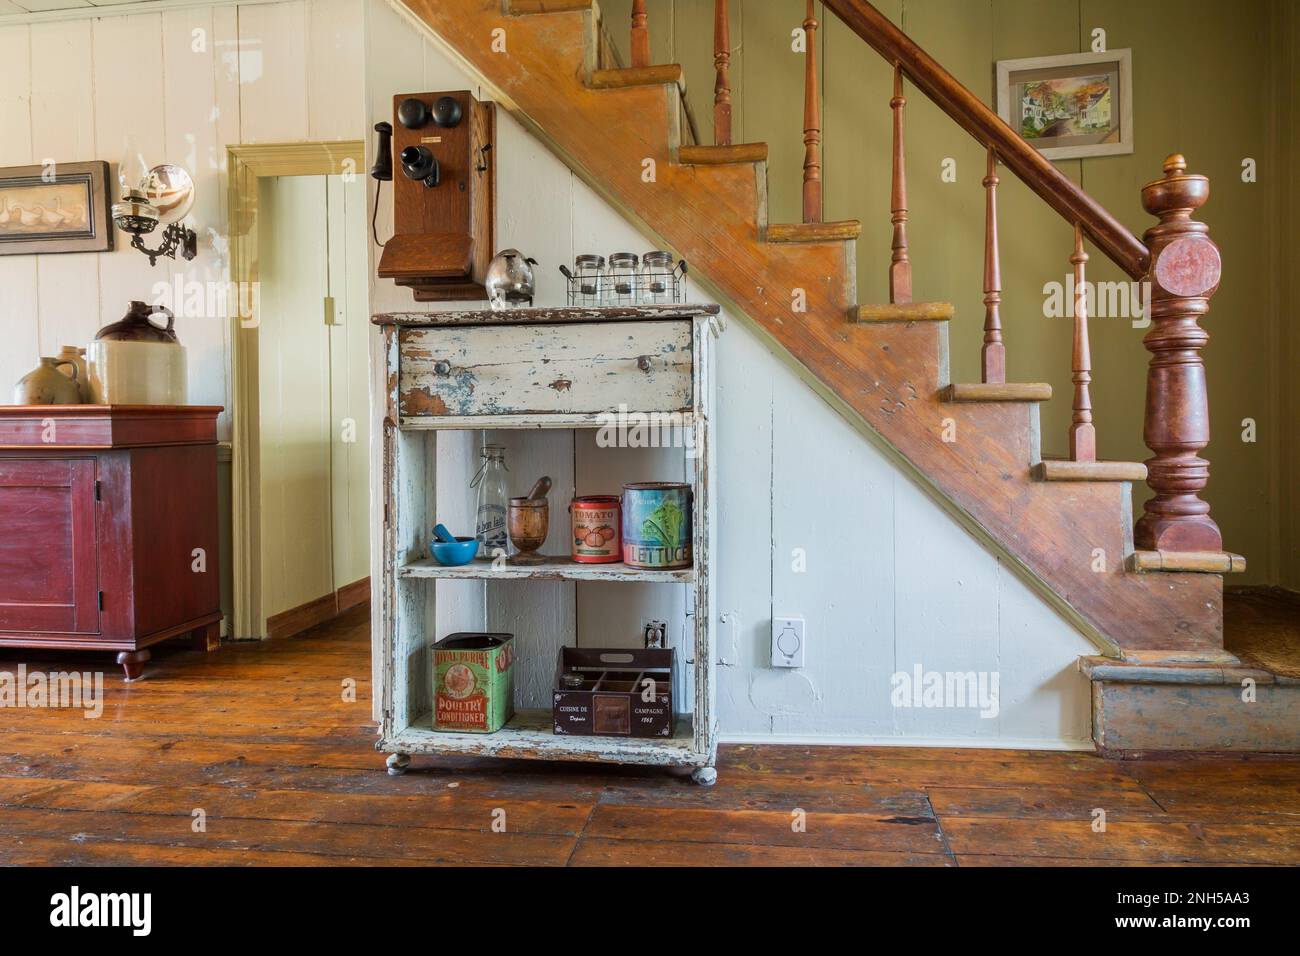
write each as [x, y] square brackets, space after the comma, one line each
[301, 419]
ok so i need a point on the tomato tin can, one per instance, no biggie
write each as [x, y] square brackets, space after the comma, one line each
[597, 537]
[473, 682]
[657, 525]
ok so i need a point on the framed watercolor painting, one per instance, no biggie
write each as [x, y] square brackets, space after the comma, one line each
[1071, 106]
[59, 208]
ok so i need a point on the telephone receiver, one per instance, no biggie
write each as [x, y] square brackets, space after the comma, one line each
[382, 170]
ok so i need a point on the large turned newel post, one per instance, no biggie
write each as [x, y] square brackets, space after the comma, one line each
[1184, 273]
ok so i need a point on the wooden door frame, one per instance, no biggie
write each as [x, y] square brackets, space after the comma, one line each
[246, 165]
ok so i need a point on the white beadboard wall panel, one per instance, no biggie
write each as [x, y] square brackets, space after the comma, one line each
[63, 130]
[130, 120]
[15, 96]
[336, 93]
[744, 572]
[832, 564]
[273, 73]
[534, 220]
[193, 136]
[18, 277]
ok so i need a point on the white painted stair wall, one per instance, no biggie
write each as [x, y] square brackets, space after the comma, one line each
[891, 581]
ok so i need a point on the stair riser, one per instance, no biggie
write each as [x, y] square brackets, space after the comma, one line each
[1132, 719]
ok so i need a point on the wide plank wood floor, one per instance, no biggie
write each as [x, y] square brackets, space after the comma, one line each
[252, 755]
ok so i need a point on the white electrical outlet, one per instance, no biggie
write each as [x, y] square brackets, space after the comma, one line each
[787, 642]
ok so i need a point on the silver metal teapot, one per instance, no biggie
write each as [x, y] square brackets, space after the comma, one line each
[510, 280]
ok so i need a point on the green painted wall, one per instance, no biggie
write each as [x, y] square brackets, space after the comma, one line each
[1212, 80]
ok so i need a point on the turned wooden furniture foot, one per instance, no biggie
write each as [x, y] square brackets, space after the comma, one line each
[705, 776]
[207, 637]
[133, 662]
[397, 764]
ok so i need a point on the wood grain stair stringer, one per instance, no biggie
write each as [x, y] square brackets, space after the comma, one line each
[886, 385]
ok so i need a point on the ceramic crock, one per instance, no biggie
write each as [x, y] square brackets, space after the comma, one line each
[136, 362]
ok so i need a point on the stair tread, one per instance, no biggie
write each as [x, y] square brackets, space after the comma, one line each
[1063, 469]
[998, 392]
[1204, 562]
[721, 155]
[903, 312]
[814, 231]
[520, 7]
[624, 78]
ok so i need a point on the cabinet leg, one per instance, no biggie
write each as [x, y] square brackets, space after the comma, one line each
[705, 776]
[207, 637]
[397, 764]
[133, 662]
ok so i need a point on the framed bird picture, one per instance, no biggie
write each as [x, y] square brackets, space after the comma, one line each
[55, 207]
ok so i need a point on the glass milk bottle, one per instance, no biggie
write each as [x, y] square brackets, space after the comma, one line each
[490, 515]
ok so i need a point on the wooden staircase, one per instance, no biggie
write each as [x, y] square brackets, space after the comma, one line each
[1067, 526]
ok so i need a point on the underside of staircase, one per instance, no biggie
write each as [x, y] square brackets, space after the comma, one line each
[884, 369]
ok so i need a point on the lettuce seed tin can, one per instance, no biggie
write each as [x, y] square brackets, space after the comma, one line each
[596, 529]
[657, 525]
[473, 682]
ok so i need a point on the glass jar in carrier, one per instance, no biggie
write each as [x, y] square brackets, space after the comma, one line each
[658, 278]
[623, 278]
[590, 279]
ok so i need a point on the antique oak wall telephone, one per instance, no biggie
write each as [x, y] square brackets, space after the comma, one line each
[444, 198]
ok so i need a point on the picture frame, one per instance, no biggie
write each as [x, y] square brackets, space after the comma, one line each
[62, 207]
[1071, 106]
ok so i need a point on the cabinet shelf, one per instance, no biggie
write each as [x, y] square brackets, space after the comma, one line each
[530, 735]
[553, 568]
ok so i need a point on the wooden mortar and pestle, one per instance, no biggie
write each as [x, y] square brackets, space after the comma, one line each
[528, 521]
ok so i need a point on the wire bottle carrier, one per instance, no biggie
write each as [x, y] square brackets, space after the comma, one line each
[624, 281]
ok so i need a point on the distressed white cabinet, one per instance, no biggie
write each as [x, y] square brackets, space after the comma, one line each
[557, 369]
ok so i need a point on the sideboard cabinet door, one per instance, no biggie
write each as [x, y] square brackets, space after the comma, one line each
[49, 577]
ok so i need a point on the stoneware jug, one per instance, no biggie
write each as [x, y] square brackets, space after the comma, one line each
[77, 357]
[46, 385]
[136, 362]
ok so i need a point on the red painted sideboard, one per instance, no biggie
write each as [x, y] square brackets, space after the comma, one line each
[106, 513]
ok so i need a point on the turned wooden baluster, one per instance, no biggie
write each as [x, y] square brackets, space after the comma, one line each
[722, 66]
[993, 357]
[900, 267]
[1184, 273]
[640, 35]
[812, 125]
[1083, 435]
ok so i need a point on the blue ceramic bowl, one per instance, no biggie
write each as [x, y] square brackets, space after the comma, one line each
[454, 553]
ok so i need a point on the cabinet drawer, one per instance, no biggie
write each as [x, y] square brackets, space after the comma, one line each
[546, 369]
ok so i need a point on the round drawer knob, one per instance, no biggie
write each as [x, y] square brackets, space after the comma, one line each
[442, 367]
[643, 363]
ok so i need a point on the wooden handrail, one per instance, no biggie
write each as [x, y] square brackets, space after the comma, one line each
[973, 115]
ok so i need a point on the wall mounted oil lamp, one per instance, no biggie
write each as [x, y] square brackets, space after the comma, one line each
[163, 197]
